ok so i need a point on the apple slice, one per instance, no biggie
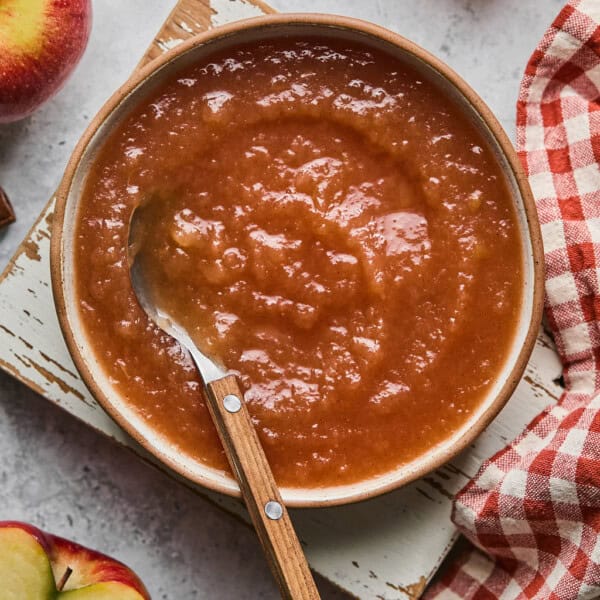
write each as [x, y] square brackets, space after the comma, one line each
[32, 561]
[102, 591]
[25, 570]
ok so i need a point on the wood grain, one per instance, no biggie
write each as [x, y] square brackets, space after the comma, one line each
[253, 473]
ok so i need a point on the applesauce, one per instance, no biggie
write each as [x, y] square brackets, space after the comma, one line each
[327, 230]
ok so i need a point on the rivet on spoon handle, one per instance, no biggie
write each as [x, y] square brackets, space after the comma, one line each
[259, 490]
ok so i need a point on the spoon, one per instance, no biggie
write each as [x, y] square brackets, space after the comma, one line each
[245, 454]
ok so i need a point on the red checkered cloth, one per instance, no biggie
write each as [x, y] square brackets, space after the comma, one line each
[532, 512]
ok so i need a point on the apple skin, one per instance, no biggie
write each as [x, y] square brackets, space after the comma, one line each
[41, 42]
[92, 571]
[89, 566]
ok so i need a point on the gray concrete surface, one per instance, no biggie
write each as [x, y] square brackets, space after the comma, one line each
[55, 472]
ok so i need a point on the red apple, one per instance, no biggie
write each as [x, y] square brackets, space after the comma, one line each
[32, 562]
[41, 41]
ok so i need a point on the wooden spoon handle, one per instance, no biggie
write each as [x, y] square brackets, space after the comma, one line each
[259, 490]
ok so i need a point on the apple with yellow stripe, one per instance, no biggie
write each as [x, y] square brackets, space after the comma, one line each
[35, 565]
[41, 41]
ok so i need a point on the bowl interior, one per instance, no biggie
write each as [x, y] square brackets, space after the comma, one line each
[263, 28]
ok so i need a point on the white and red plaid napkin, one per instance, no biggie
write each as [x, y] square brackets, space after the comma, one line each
[532, 512]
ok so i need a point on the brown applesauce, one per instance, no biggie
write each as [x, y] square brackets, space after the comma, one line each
[330, 227]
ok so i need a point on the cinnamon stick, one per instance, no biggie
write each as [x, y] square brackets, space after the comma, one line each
[7, 213]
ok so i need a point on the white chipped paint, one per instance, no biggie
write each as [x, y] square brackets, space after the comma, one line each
[380, 548]
[166, 45]
[225, 11]
[185, 27]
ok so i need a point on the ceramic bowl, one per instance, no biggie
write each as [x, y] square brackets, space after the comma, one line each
[451, 86]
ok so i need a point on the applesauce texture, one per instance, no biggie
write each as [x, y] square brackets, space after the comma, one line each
[327, 228]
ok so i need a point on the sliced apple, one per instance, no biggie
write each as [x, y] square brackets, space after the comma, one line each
[109, 590]
[32, 561]
[25, 570]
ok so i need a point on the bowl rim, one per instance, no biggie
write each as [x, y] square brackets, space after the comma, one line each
[423, 464]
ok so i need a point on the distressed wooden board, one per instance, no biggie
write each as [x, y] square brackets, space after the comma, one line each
[384, 548]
